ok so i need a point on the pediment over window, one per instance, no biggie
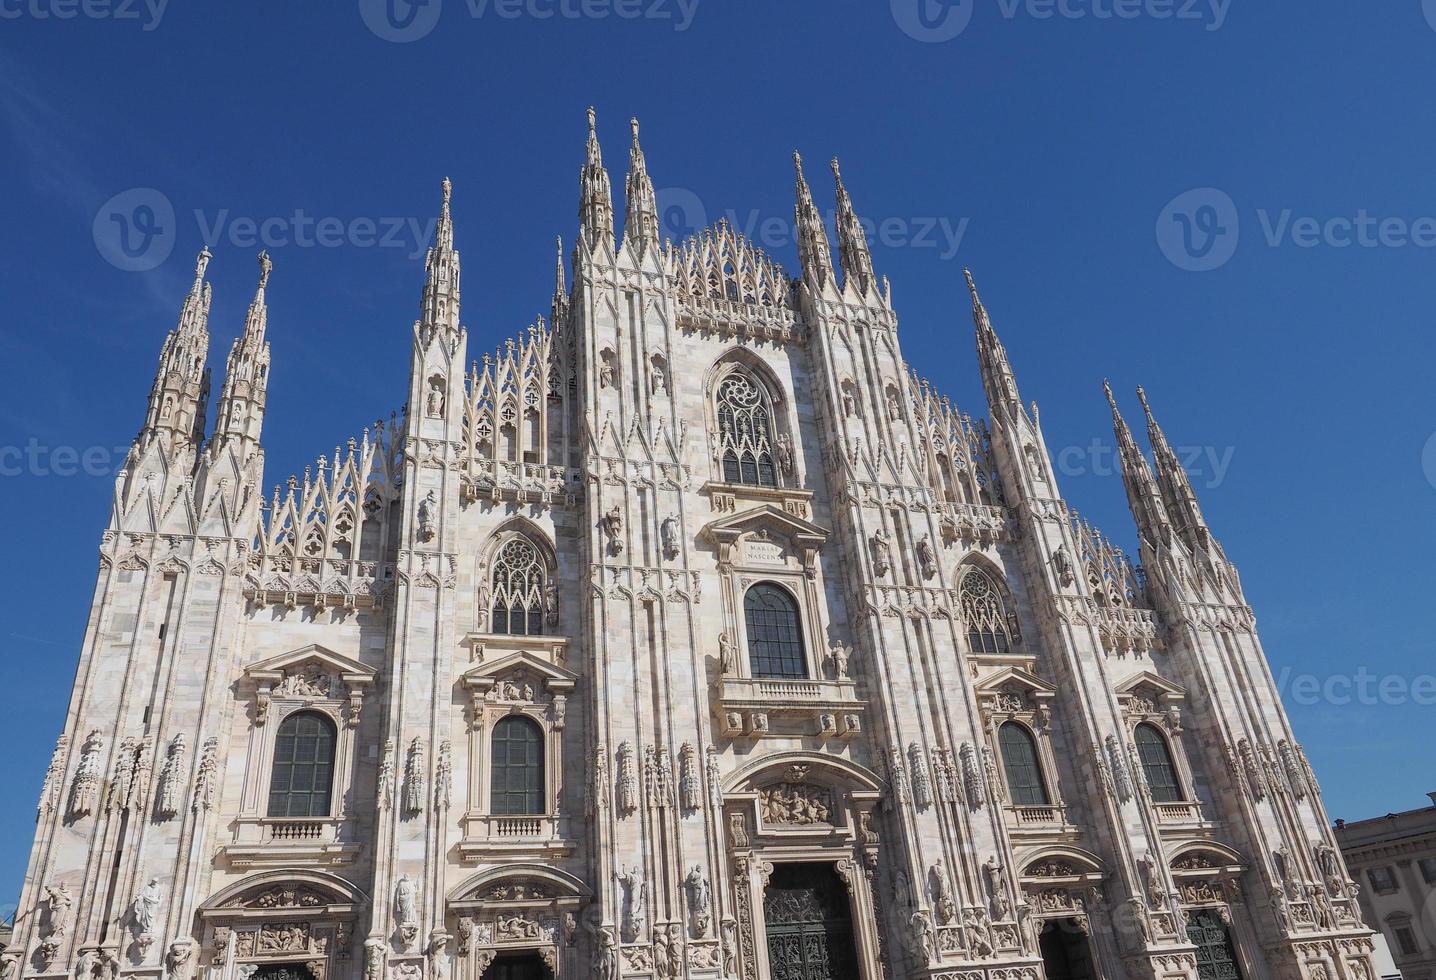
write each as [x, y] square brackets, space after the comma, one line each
[1147, 695]
[1062, 864]
[1206, 858]
[520, 667]
[309, 674]
[1013, 690]
[517, 883]
[1157, 684]
[286, 893]
[766, 534]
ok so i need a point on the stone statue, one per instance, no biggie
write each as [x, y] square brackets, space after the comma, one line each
[700, 902]
[428, 511]
[727, 655]
[635, 903]
[60, 904]
[669, 533]
[612, 525]
[882, 553]
[840, 655]
[784, 449]
[605, 954]
[996, 879]
[179, 960]
[145, 908]
[926, 559]
[406, 915]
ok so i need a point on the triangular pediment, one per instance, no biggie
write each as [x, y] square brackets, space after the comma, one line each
[351, 670]
[770, 518]
[1015, 677]
[486, 672]
[1148, 679]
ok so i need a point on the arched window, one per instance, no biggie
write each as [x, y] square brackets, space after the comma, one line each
[518, 586]
[516, 780]
[745, 432]
[982, 610]
[1019, 760]
[303, 773]
[775, 641]
[1157, 765]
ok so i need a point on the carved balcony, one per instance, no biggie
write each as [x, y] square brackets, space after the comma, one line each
[489, 837]
[1185, 813]
[757, 707]
[281, 841]
[1038, 816]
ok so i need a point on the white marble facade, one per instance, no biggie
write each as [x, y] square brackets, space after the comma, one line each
[757, 602]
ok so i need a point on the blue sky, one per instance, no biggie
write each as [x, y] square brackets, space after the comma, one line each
[1279, 318]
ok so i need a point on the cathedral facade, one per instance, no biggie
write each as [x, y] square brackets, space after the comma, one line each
[689, 635]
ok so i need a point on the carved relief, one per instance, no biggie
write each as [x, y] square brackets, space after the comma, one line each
[795, 804]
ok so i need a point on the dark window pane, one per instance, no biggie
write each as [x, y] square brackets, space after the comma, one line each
[1024, 772]
[516, 782]
[775, 642]
[299, 783]
[1157, 765]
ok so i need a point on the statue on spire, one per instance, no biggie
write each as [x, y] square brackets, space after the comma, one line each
[852, 240]
[814, 250]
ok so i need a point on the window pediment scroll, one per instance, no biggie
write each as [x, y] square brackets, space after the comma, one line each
[310, 676]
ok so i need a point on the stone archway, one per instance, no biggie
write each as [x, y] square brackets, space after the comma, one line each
[282, 925]
[517, 914]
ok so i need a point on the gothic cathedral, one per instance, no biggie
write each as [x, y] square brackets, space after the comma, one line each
[689, 635]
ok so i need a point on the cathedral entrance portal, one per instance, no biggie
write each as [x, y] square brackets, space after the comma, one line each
[518, 968]
[282, 971]
[1216, 960]
[809, 924]
[1065, 952]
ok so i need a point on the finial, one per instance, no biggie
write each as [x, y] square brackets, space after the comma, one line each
[592, 122]
[201, 263]
[264, 266]
[448, 187]
[633, 124]
[1107, 387]
[971, 287]
[798, 161]
[836, 172]
[1142, 397]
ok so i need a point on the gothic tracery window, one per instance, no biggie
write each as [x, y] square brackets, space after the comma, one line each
[1019, 760]
[1157, 765]
[516, 771]
[984, 613]
[745, 432]
[775, 641]
[518, 589]
[302, 775]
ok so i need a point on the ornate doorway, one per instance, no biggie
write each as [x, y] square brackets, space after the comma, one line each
[1216, 960]
[518, 968]
[281, 971]
[809, 924]
[1065, 952]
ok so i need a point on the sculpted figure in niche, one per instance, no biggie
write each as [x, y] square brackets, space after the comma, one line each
[669, 533]
[840, 655]
[612, 525]
[727, 655]
[882, 552]
[434, 406]
[785, 453]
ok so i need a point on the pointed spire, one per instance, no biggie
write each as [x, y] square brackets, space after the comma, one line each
[440, 306]
[1177, 492]
[640, 226]
[998, 379]
[560, 289]
[595, 207]
[852, 240]
[1143, 496]
[813, 247]
[246, 378]
[180, 393]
